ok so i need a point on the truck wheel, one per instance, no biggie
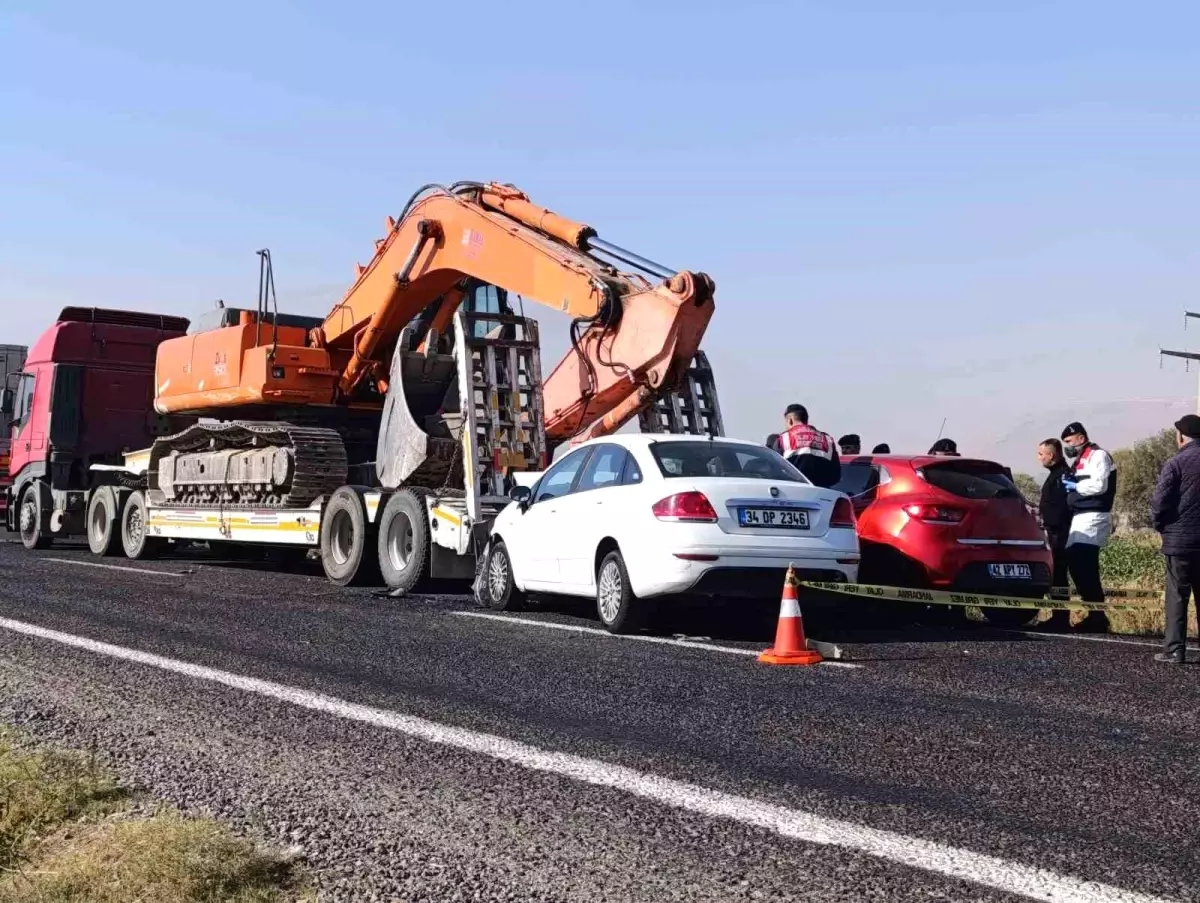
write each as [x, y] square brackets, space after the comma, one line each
[134, 539]
[102, 519]
[404, 541]
[346, 539]
[500, 593]
[619, 609]
[29, 519]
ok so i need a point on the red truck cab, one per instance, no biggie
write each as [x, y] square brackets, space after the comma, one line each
[84, 396]
[12, 359]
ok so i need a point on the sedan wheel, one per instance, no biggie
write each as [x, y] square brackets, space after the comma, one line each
[499, 590]
[619, 609]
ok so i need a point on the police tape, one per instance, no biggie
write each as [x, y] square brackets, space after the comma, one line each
[1155, 594]
[945, 597]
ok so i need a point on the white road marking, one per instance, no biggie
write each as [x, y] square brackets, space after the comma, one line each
[596, 631]
[113, 567]
[1152, 644]
[913, 852]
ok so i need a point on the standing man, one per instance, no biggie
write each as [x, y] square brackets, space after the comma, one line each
[850, 444]
[809, 450]
[1091, 484]
[1056, 519]
[1175, 513]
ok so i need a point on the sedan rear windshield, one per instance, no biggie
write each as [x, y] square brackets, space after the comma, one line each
[703, 458]
[971, 480]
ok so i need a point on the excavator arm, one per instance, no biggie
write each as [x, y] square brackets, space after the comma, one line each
[631, 337]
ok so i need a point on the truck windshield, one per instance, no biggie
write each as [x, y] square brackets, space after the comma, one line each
[707, 458]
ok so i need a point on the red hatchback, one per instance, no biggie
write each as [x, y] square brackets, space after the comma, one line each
[932, 522]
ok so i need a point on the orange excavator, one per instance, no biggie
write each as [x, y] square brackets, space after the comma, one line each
[308, 407]
[630, 337]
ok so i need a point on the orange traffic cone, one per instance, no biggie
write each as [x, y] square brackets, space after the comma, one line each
[791, 647]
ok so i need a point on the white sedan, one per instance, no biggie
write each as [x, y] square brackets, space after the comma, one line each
[631, 517]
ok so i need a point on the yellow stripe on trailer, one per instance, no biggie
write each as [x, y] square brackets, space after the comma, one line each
[447, 516]
[229, 522]
[944, 597]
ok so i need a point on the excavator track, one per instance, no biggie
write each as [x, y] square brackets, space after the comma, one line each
[314, 463]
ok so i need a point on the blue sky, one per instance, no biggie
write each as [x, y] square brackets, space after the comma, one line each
[984, 212]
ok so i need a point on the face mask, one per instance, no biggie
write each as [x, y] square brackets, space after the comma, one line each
[1072, 451]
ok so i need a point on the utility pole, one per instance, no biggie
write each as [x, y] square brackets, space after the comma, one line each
[1188, 356]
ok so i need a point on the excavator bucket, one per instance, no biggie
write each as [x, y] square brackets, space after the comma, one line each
[691, 407]
[420, 431]
[488, 387]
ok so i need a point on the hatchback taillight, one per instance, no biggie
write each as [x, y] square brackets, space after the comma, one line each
[935, 514]
[843, 514]
[690, 507]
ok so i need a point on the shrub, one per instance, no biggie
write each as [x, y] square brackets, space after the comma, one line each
[1133, 560]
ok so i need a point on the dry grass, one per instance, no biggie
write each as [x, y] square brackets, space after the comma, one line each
[68, 834]
[1146, 621]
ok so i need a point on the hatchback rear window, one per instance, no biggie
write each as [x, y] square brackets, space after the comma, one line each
[702, 458]
[858, 479]
[970, 480]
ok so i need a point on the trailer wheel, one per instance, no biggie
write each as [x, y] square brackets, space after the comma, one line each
[29, 519]
[404, 541]
[102, 520]
[346, 539]
[134, 538]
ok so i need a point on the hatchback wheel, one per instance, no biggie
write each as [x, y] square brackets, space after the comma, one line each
[1009, 618]
[619, 609]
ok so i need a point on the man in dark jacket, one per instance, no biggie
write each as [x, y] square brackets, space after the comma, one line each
[1056, 520]
[1175, 512]
[810, 450]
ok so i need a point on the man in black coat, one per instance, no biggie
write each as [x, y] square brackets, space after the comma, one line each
[1175, 512]
[1056, 520]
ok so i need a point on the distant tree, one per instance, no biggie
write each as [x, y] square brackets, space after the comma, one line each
[1029, 487]
[1137, 473]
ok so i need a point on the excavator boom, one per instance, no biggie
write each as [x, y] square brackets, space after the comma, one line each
[631, 338]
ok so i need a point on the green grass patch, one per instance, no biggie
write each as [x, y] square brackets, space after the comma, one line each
[69, 833]
[1133, 561]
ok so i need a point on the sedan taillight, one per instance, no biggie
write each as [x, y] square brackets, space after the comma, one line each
[935, 514]
[843, 514]
[689, 507]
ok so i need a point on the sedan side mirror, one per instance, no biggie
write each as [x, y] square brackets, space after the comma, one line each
[521, 495]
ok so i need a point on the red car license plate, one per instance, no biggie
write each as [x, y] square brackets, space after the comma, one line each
[1011, 571]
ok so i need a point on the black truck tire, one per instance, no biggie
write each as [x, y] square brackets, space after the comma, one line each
[135, 539]
[29, 518]
[404, 541]
[103, 519]
[347, 549]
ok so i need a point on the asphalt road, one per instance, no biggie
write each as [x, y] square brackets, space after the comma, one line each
[412, 750]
